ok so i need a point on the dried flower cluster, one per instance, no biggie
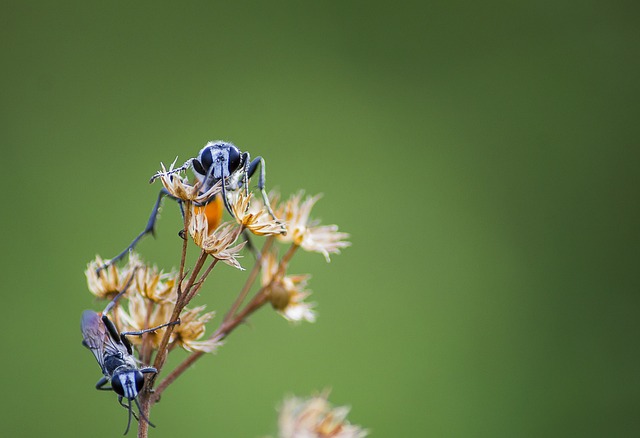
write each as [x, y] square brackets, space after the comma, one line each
[151, 297]
[155, 297]
[316, 418]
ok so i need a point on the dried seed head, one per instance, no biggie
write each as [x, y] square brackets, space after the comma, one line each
[254, 216]
[308, 234]
[156, 285]
[316, 418]
[180, 188]
[140, 315]
[287, 292]
[192, 328]
[107, 283]
[217, 243]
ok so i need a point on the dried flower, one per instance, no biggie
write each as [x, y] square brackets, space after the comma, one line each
[192, 328]
[308, 234]
[325, 239]
[287, 293]
[107, 283]
[217, 243]
[141, 314]
[156, 285]
[254, 216]
[179, 187]
[316, 418]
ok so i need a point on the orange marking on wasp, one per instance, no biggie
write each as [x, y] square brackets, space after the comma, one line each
[213, 210]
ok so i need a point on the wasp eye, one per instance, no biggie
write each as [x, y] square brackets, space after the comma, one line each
[198, 167]
[139, 381]
[117, 386]
[234, 158]
[206, 158]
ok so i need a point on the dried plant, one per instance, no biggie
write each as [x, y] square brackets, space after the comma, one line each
[155, 297]
[314, 417]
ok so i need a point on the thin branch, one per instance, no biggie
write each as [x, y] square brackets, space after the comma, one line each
[174, 374]
[250, 280]
[227, 327]
[259, 300]
[223, 331]
[200, 282]
[161, 355]
[145, 406]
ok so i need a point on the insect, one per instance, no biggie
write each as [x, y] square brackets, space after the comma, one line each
[217, 161]
[114, 354]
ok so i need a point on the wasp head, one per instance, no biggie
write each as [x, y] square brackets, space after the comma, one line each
[217, 160]
[127, 383]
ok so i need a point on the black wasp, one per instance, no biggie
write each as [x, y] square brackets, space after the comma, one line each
[217, 161]
[114, 354]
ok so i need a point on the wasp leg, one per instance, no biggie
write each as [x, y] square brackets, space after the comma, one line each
[224, 198]
[115, 299]
[100, 385]
[250, 246]
[187, 164]
[150, 228]
[253, 166]
[246, 159]
[125, 341]
[111, 328]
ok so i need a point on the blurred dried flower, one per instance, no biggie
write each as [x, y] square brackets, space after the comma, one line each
[192, 328]
[287, 293]
[106, 283]
[156, 285]
[325, 240]
[254, 216]
[307, 234]
[316, 418]
[140, 315]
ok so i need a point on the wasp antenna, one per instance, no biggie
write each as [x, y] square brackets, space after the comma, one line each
[129, 421]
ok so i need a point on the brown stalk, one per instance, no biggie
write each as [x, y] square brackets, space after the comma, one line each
[161, 355]
[230, 323]
[250, 280]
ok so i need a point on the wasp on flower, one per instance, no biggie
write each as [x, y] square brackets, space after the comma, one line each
[221, 170]
[133, 336]
[114, 353]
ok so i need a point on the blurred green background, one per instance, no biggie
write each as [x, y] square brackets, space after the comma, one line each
[484, 157]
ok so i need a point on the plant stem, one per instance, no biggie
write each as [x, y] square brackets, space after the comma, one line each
[200, 282]
[145, 405]
[161, 355]
[250, 280]
[223, 331]
[230, 323]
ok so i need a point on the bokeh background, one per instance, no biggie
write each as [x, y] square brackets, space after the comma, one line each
[483, 156]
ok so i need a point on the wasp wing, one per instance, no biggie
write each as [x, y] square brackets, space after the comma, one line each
[94, 334]
[96, 337]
